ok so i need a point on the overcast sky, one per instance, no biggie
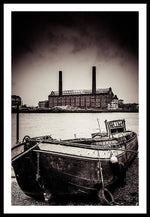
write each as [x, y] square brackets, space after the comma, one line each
[45, 42]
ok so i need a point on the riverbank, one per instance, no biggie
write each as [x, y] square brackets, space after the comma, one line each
[73, 111]
[126, 195]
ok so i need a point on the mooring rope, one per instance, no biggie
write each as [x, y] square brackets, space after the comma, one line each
[25, 152]
[102, 197]
[100, 167]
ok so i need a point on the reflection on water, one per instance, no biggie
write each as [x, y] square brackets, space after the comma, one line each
[67, 125]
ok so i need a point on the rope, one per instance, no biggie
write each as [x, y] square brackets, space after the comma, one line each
[20, 155]
[100, 167]
[46, 194]
[101, 194]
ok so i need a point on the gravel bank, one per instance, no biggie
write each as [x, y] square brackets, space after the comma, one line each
[126, 195]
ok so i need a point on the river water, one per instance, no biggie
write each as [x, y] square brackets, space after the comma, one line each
[67, 125]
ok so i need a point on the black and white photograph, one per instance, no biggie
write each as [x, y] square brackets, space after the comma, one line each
[75, 109]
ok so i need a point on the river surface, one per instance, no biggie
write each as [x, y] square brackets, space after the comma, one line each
[67, 125]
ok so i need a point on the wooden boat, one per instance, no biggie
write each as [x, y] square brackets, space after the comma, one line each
[44, 166]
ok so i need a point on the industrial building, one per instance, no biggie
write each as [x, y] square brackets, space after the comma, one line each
[93, 98]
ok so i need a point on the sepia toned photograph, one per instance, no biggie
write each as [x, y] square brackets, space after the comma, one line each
[75, 108]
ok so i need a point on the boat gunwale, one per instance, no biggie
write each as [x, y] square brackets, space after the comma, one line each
[86, 146]
[85, 157]
[71, 155]
[76, 145]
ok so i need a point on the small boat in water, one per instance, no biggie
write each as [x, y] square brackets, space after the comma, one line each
[45, 166]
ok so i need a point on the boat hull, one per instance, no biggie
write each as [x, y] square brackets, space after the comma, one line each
[39, 171]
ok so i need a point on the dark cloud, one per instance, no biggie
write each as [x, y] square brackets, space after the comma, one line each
[82, 30]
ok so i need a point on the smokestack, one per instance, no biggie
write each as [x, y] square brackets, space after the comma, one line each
[60, 83]
[94, 80]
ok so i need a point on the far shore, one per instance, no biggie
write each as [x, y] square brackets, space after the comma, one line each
[71, 111]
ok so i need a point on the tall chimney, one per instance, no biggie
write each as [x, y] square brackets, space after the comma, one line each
[94, 80]
[60, 83]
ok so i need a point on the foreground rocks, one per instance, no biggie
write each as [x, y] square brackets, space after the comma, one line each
[126, 195]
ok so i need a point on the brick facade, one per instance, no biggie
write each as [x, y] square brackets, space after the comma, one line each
[81, 99]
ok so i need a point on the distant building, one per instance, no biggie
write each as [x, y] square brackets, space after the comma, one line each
[120, 103]
[113, 104]
[81, 98]
[43, 104]
[93, 98]
[131, 106]
[16, 100]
